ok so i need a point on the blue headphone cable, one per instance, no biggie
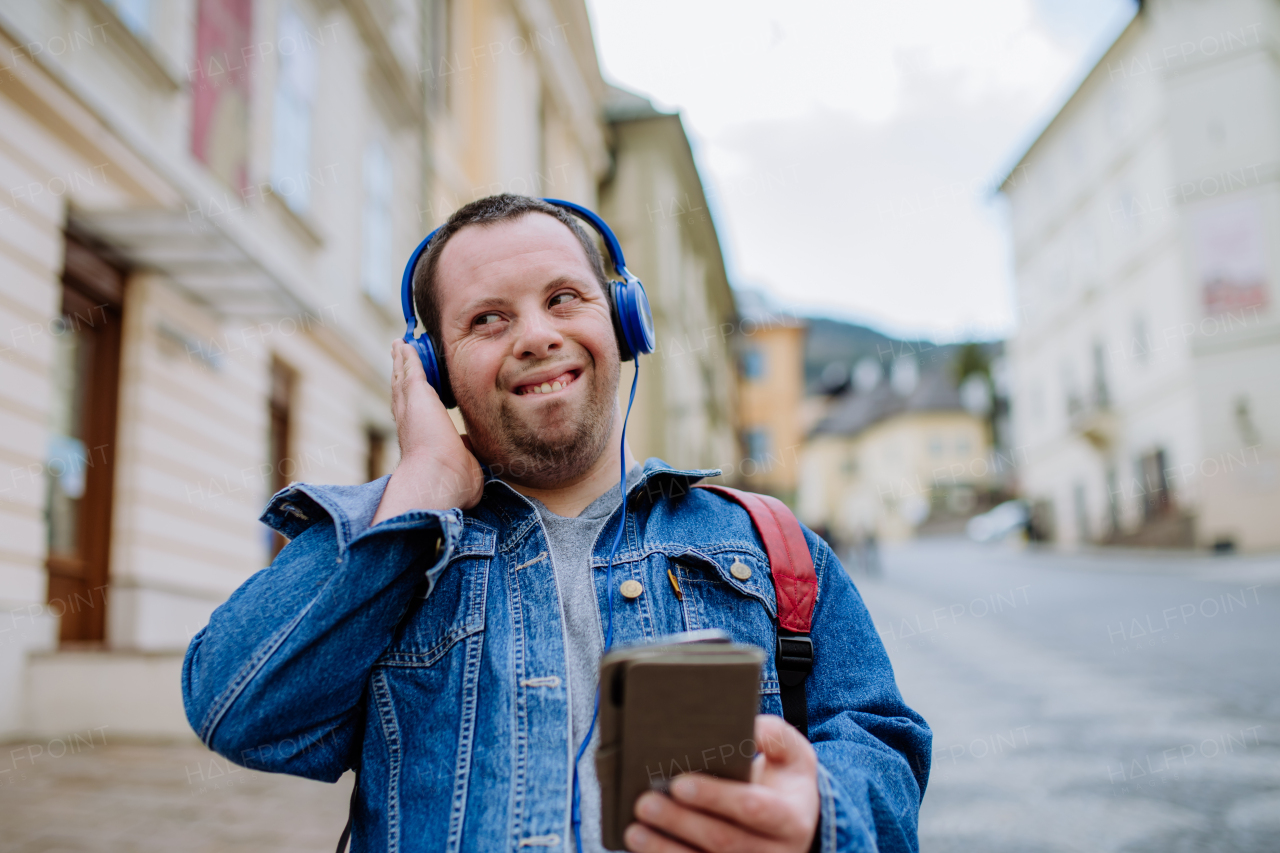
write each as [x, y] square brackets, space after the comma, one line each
[608, 634]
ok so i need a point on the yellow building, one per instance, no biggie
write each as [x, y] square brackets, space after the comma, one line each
[204, 210]
[886, 459]
[771, 358]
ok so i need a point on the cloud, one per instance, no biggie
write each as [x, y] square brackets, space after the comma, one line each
[892, 221]
[850, 147]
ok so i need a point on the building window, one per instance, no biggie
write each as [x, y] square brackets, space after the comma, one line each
[753, 364]
[1113, 500]
[291, 119]
[375, 247]
[85, 373]
[1141, 344]
[1156, 499]
[438, 19]
[375, 457]
[135, 14]
[1071, 391]
[757, 442]
[1101, 392]
[220, 99]
[280, 406]
[1082, 513]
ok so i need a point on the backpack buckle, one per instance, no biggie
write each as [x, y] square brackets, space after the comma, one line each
[793, 658]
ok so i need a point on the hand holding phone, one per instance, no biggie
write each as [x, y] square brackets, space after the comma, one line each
[777, 811]
[670, 709]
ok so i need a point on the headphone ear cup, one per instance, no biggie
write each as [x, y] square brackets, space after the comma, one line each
[431, 367]
[633, 320]
[615, 314]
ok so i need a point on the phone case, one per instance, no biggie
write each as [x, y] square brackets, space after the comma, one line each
[668, 709]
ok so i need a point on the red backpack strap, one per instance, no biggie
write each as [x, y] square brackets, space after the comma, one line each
[795, 585]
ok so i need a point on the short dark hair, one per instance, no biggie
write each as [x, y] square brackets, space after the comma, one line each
[487, 211]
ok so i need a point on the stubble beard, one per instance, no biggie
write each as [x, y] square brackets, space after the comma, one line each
[519, 452]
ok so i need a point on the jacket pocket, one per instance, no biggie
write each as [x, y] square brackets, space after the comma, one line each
[744, 572]
[732, 590]
[453, 610]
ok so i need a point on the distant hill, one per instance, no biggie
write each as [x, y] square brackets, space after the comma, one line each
[833, 347]
[836, 342]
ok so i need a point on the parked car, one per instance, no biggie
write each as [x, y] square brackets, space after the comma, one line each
[999, 522]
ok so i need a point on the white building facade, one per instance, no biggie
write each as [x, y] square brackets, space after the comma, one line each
[1146, 232]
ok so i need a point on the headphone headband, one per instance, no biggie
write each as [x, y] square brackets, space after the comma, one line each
[632, 317]
[602, 228]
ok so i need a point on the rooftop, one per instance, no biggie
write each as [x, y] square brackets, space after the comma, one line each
[852, 413]
[624, 105]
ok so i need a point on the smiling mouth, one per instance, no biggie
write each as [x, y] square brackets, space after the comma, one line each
[551, 386]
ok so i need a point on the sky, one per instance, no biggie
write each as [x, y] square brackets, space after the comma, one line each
[850, 149]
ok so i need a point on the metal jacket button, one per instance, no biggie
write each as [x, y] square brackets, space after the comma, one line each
[631, 589]
[740, 570]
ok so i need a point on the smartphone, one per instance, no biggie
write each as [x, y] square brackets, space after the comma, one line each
[686, 704]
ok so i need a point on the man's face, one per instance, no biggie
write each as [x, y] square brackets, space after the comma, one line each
[530, 348]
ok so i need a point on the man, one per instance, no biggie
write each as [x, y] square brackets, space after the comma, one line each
[439, 630]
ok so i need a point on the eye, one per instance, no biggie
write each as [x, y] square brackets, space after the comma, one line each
[486, 319]
[562, 298]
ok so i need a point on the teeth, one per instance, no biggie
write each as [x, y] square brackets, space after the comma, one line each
[557, 384]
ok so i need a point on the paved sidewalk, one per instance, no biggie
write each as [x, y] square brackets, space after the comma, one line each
[134, 798]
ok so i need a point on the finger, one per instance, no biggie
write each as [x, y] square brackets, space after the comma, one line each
[414, 374]
[757, 808]
[780, 742]
[397, 362]
[412, 363]
[641, 839]
[696, 827]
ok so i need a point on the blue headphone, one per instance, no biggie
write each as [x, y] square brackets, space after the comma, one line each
[632, 319]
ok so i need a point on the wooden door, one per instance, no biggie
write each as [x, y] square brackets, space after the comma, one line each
[81, 455]
[280, 411]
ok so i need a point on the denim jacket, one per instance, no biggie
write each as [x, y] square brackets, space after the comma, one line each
[428, 652]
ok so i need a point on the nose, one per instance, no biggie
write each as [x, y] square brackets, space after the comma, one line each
[537, 336]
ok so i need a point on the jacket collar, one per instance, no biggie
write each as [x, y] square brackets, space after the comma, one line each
[657, 480]
[299, 505]
[661, 480]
